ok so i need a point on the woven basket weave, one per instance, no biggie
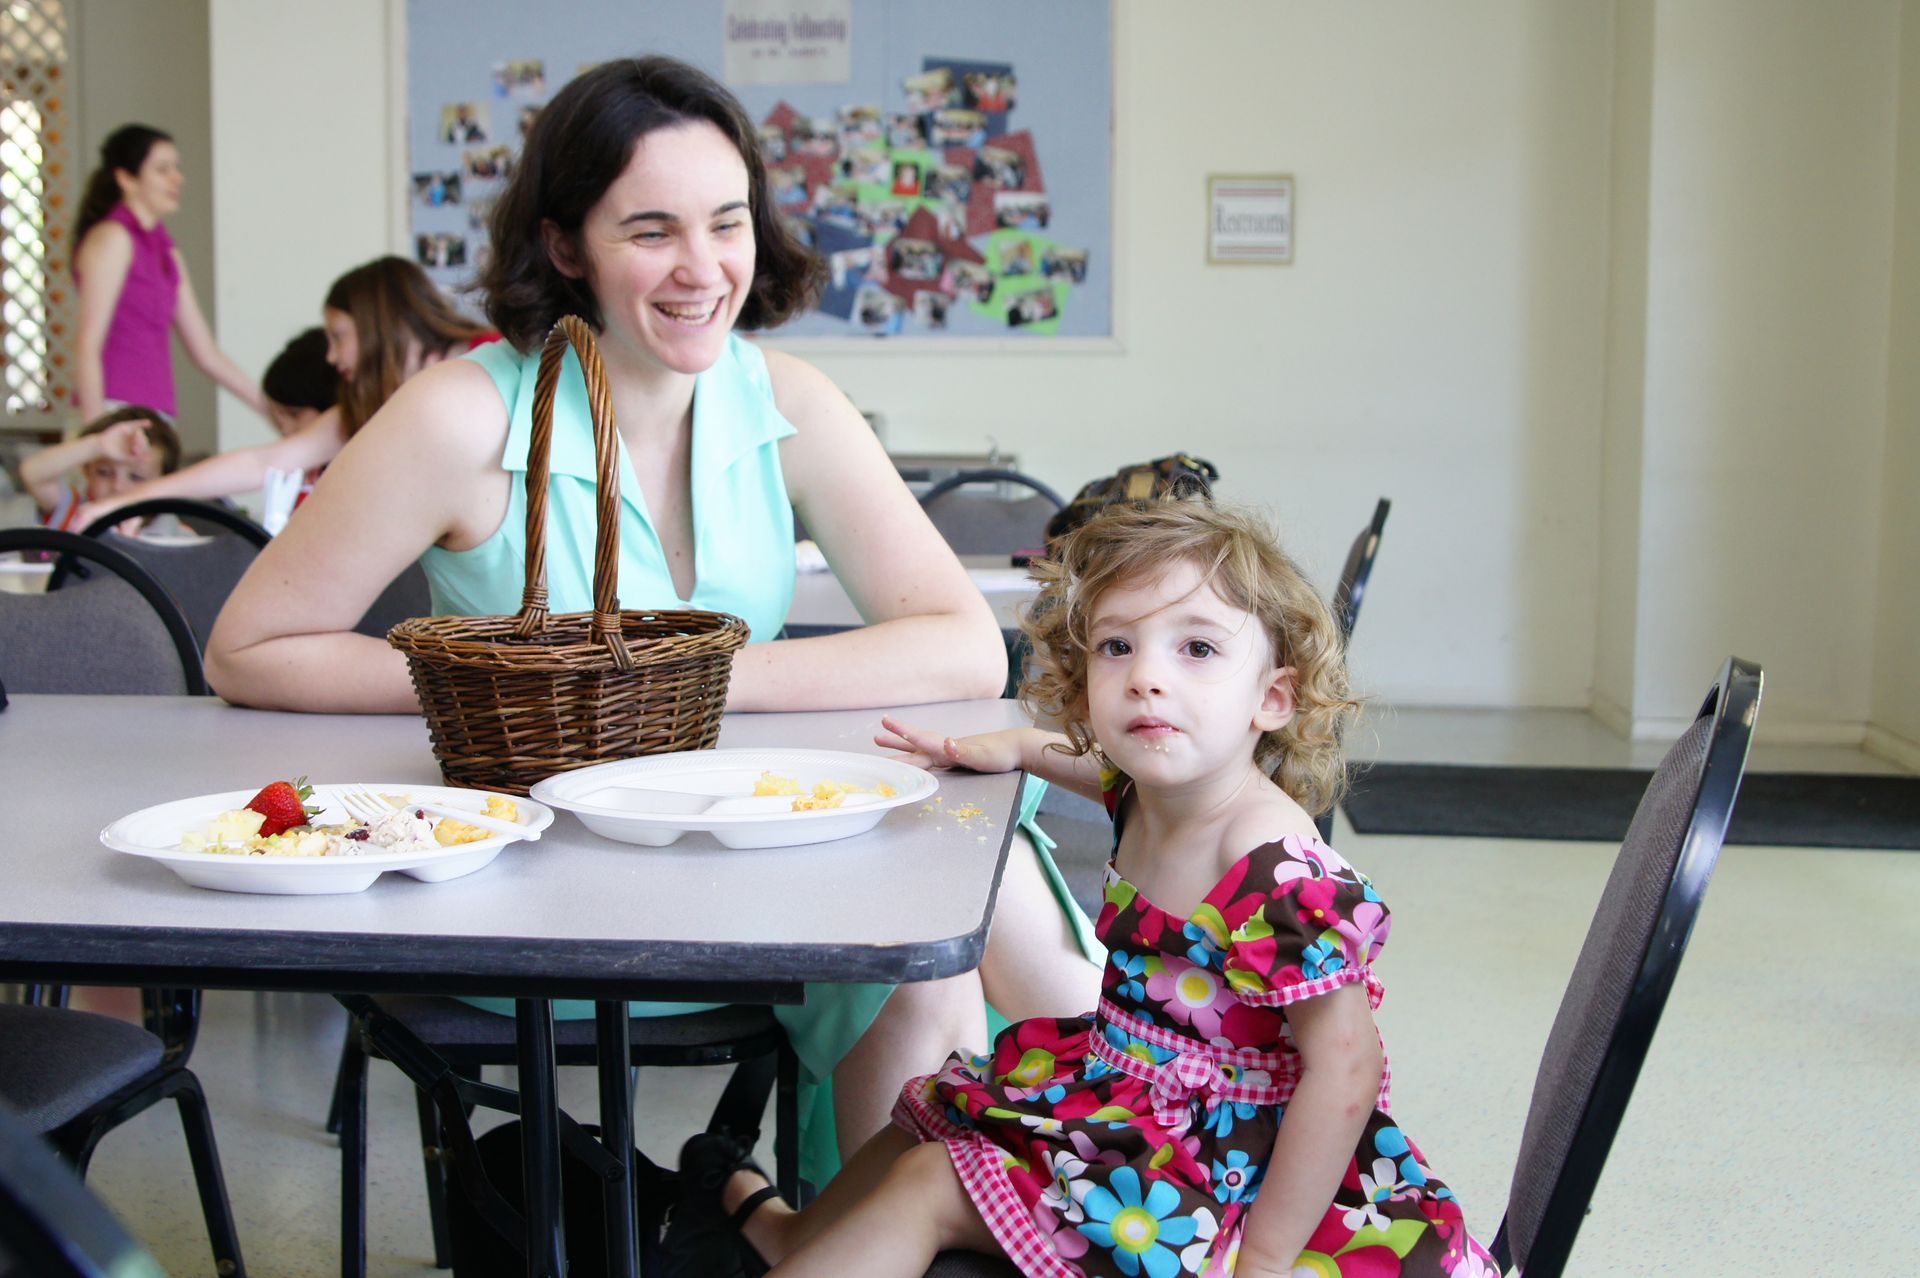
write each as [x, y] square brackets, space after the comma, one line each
[510, 700]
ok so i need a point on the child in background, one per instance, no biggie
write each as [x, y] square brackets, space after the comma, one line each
[117, 450]
[1225, 1110]
[300, 384]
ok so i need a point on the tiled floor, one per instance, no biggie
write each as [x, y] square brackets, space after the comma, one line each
[1768, 1135]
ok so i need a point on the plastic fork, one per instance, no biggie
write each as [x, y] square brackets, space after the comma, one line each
[367, 806]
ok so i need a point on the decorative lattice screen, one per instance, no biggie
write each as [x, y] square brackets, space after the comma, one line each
[36, 209]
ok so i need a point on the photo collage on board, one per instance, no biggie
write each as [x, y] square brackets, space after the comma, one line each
[923, 209]
[477, 140]
[919, 210]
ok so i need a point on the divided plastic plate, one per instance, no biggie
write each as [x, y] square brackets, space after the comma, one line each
[634, 800]
[155, 833]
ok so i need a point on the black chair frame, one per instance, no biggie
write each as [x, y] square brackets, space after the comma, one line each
[1359, 567]
[965, 477]
[1732, 705]
[172, 1015]
[183, 508]
[448, 1090]
[51, 1224]
[75, 550]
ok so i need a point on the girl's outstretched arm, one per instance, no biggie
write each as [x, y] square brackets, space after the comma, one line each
[238, 471]
[1339, 1086]
[1027, 749]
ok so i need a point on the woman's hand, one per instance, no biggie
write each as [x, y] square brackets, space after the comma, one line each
[984, 752]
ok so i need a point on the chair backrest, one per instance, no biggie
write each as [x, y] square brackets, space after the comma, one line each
[978, 521]
[199, 576]
[113, 631]
[407, 595]
[1620, 982]
[1359, 567]
[50, 1224]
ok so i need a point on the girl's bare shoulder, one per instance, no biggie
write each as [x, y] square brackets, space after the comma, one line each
[1263, 819]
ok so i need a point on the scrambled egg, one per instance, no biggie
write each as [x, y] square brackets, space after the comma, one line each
[449, 832]
[826, 794]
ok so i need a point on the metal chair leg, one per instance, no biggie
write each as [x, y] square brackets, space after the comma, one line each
[197, 1123]
[433, 1157]
[352, 1090]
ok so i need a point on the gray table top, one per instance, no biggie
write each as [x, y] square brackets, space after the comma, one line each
[573, 914]
[820, 600]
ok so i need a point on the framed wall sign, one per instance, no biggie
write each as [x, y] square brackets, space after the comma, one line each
[1250, 219]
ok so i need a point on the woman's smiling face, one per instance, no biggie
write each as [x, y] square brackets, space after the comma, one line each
[669, 249]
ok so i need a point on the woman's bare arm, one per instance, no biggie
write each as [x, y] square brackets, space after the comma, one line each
[931, 636]
[205, 352]
[285, 640]
[102, 262]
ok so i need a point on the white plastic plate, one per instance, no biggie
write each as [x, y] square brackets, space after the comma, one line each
[634, 800]
[155, 833]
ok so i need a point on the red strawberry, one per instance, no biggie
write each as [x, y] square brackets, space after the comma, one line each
[284, 805]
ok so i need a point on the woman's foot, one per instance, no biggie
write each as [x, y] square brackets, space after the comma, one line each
[720, 1187]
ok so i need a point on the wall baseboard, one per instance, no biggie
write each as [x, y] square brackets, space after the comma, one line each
[1612, 714]
[1813, 732]
[1892, 747]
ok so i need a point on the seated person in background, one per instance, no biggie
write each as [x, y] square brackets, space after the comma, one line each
[385, 321]
[117, 452]
[300, 384]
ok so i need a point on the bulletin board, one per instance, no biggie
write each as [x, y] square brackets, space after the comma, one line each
[951, 163]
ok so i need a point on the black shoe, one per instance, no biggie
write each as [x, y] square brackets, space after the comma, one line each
[702, 1240]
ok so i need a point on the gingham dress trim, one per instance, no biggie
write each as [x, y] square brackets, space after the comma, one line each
[1376, 992]
[976, 1160]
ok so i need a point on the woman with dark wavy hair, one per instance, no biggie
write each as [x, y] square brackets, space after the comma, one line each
[641, 204]
[133, 284]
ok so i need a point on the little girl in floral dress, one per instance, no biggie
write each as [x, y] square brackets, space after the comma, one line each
[1225, 1109]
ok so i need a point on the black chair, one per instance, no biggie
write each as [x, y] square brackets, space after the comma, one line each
[72, 1077]
[1353, 577]
[113, 630]
[50, 1224]
[986, 523]
[442, 1043]
[1347, 595]
[198, 576]
[407, 595]
[1620, 982]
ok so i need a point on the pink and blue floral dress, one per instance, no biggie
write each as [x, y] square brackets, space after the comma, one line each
[1133, 1141]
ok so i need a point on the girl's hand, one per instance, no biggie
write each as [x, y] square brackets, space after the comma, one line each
[91, 510]
[986, 752]
[125, 442]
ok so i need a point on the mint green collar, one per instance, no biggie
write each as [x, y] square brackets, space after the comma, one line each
[728, 424]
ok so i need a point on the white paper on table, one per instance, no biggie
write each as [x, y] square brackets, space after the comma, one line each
[277, 498]
[1002, 580]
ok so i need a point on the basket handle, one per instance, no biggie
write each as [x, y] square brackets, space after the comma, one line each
[572, 330]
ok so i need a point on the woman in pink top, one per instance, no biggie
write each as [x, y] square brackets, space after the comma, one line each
[134, 286]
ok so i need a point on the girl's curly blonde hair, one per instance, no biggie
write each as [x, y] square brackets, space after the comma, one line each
[1238, 555]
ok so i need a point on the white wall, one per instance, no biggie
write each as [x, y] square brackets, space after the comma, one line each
[1625, 360]
[1436, 341]
[138, 63]
[302, 143]
[1896, 687]
[1766, 355]
[1557, 262]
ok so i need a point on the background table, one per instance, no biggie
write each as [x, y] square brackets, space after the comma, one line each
[820, 602]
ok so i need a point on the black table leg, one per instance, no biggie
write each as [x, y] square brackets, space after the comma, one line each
[540, 1138]
[613, 1035]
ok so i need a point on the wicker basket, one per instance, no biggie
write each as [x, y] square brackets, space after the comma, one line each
[510, 700]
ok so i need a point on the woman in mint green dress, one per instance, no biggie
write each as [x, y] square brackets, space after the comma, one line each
[641, 204]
